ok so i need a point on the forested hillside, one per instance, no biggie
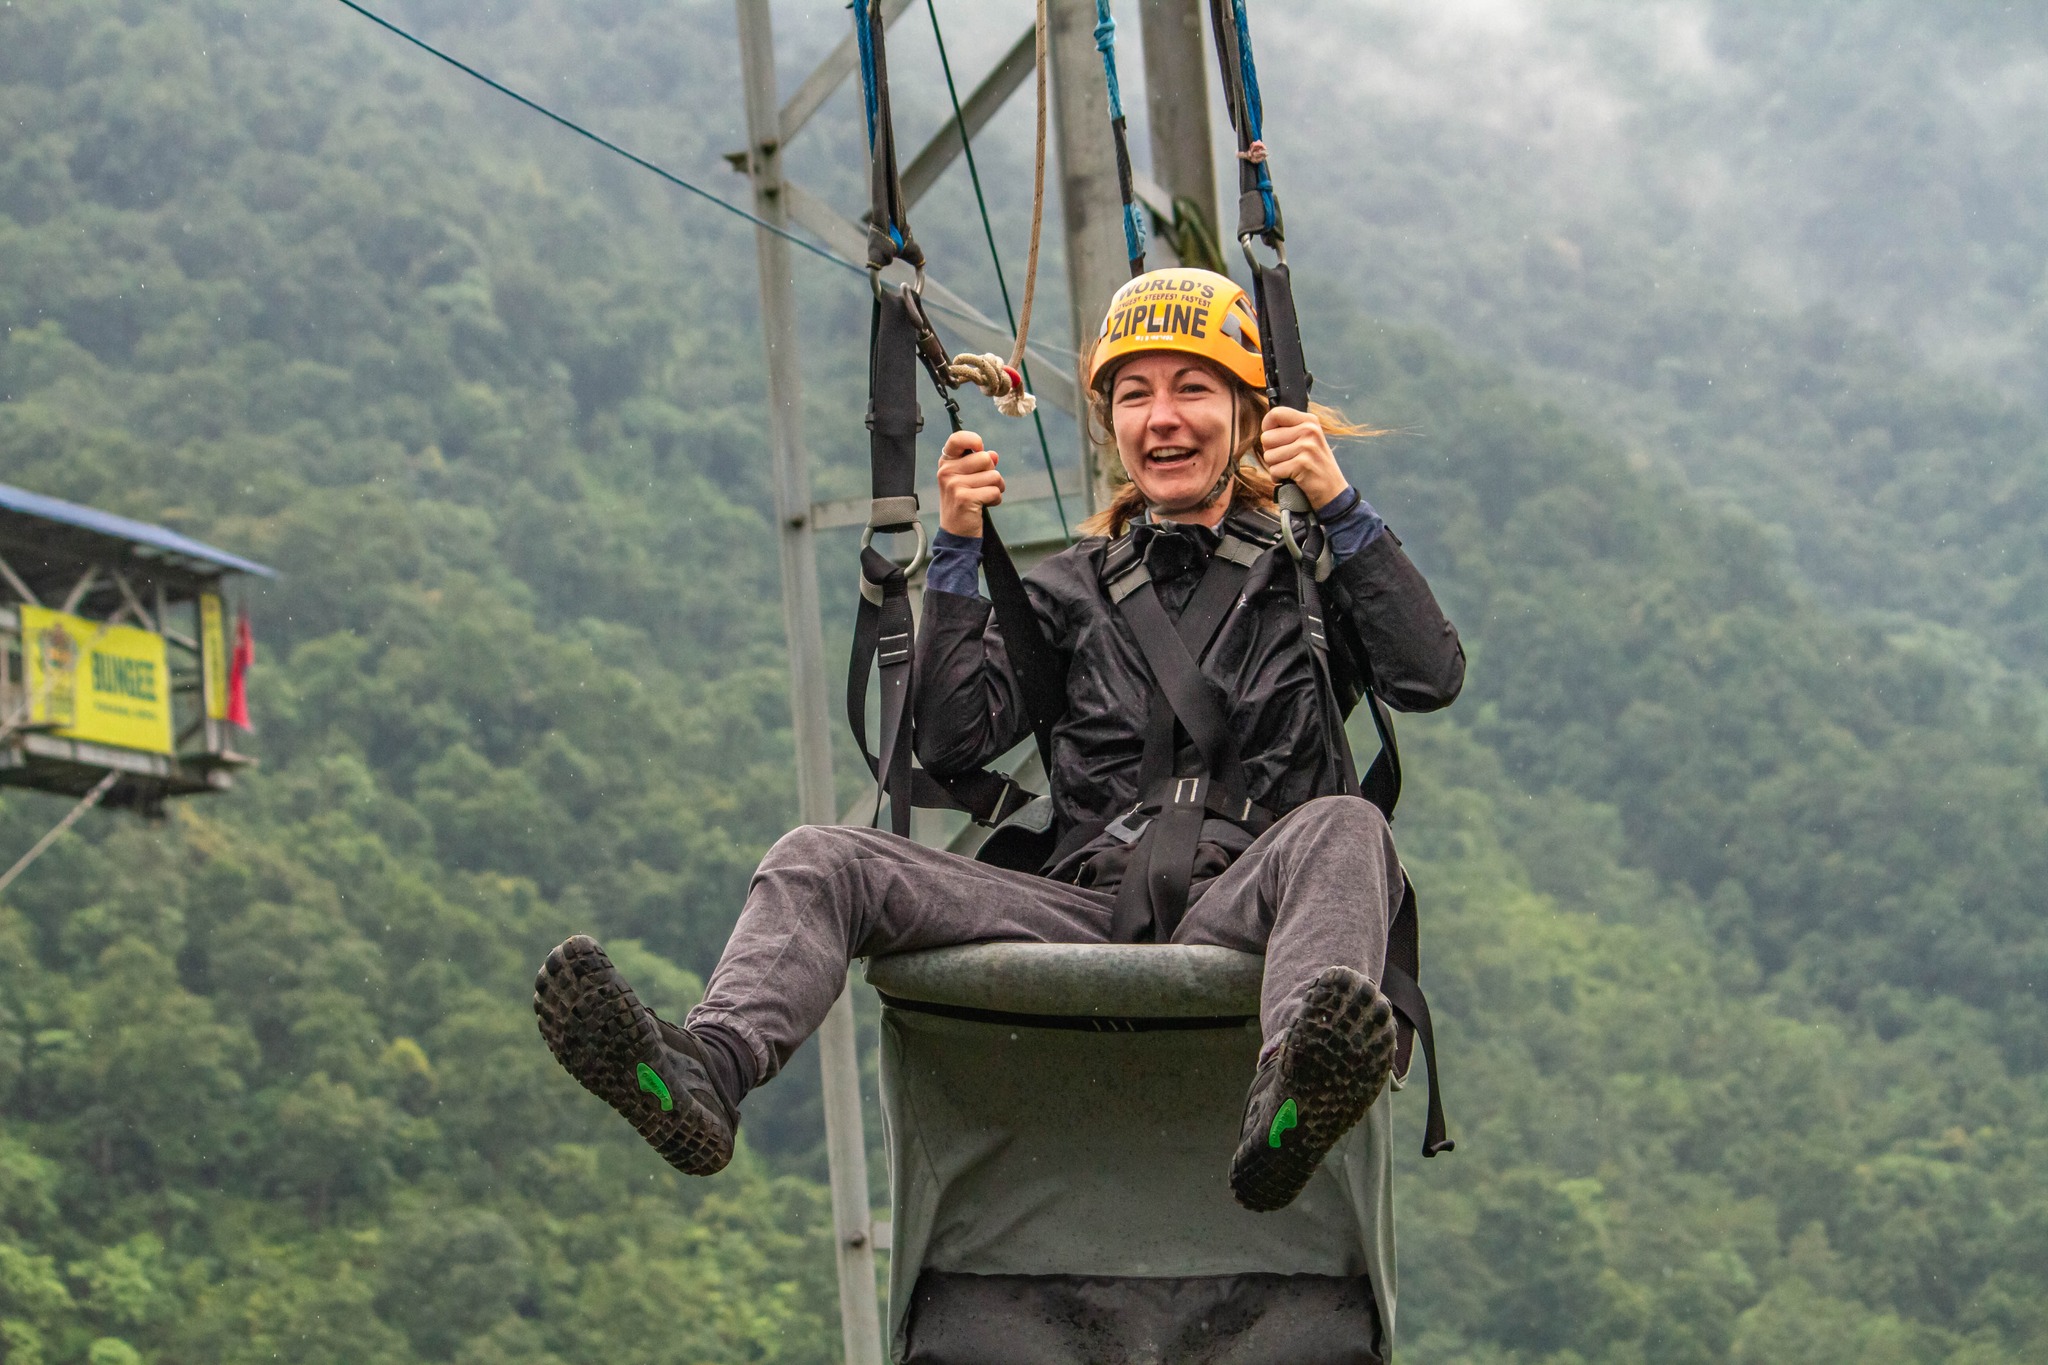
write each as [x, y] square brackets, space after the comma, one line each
[1798, 251]
[1732, 882]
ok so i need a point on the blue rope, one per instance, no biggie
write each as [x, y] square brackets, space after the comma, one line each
[1255, 114]
[865, 41]
[1105, 43]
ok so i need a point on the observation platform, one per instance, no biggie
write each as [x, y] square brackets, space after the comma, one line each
[116, 657]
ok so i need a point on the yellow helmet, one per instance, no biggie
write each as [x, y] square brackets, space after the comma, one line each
[1196, 311]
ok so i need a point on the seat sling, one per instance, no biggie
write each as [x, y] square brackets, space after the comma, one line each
[1155, 889]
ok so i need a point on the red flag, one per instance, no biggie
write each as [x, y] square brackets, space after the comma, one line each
[238, 672]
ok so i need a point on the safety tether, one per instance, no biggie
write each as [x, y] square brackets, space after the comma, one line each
[1134, 219]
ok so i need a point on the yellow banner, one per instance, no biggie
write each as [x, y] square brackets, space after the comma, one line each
[95, 682]
[213, 653]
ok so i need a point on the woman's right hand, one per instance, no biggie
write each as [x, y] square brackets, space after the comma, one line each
[968, 482]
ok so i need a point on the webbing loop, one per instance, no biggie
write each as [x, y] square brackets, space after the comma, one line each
[889, 237]
[1258, 209]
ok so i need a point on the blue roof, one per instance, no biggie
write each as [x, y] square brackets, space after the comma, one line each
[167, 544]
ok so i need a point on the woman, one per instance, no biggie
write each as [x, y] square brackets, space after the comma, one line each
[1275, 856]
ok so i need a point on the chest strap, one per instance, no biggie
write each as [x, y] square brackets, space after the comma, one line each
[1173, 805]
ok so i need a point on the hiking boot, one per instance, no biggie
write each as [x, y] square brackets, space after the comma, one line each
[652, 1072]
[1331, 1064]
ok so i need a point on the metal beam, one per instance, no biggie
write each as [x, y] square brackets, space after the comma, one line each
[21, 589]
[825, 78]
[1157, 199]
[1177, 104]
[1030, 485]
[134, 603]
[929, 164]
[80, 589]
[1090, 202]
[845, 1144]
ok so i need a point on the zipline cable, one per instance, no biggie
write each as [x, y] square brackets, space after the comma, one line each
[642, 162]
[988, 231]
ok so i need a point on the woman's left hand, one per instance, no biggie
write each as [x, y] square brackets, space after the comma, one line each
[1296, 448]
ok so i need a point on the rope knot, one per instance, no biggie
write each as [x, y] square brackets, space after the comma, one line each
[996, 379]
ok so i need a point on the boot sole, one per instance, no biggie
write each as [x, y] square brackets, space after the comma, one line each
[1335, 1062]
[602, 1035]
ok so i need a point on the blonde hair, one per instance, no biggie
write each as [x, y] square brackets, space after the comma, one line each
[1250, 484]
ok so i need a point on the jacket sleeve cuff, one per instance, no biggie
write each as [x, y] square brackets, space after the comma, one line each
[955, 566]
[1349, 521]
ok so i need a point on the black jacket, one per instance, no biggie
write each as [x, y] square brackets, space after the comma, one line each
[970, 710]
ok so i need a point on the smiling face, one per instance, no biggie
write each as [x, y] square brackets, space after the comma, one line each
[1173, 416]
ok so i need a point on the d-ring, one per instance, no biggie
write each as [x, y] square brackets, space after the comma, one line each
[918, 558]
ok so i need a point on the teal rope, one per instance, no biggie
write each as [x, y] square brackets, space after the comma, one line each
[974, 174]
[1134, 220]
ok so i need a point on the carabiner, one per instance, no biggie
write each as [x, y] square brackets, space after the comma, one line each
[1279, 245]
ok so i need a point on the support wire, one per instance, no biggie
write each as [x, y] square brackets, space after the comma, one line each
[988, 231]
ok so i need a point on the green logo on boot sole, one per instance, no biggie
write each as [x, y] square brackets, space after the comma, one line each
[656, 1086]
[1282, 1121]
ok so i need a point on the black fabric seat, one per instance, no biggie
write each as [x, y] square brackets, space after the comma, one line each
[1207, 1320]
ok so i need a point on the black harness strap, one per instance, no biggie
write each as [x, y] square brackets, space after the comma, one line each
[1154, 893]
[1288, 383]
[1398, 982]
[900, 338]
[1198, 704]
[1041, 673]
[883, 627]
[1258, 209]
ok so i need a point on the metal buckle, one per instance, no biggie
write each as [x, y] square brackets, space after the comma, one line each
[1123, 830]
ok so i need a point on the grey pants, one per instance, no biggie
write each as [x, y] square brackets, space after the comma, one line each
[1316, 890]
